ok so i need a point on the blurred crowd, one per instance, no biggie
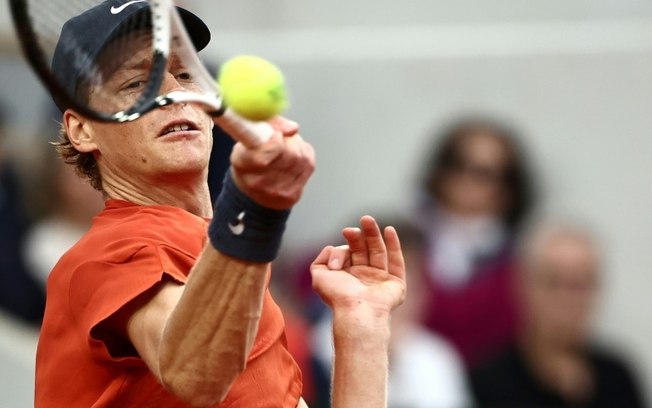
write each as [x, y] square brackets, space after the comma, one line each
[500, 300]
[500, 303]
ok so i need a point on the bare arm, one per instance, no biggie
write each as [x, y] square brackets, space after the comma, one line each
[360, 368]
[195, 338]
[362, 283]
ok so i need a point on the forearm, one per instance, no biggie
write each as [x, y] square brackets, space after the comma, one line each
[210, 332]
[361, 359]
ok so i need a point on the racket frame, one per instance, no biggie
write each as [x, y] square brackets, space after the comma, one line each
[166, 23]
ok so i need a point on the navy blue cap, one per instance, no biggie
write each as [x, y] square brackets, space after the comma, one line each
[84, 37]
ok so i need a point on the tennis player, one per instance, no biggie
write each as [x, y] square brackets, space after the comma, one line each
[164, 302]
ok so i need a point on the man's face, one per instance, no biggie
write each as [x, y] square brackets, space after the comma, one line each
[166, 144]
[474, 184]
[561, 288]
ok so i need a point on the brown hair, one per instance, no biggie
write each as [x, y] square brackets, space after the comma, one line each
[85, 164]
[518, 176]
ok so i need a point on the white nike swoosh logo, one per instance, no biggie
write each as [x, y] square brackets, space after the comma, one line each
[238, 228]
[117, 10]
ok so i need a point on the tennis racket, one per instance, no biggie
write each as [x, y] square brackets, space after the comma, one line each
[76, 47]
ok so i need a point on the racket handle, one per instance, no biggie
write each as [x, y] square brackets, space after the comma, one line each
[250, 134]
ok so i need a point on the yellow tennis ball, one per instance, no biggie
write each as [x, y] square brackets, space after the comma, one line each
[253, 87]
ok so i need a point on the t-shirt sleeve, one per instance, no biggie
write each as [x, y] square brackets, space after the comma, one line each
[99, 289]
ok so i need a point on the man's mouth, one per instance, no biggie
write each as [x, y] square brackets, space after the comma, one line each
[178, 127]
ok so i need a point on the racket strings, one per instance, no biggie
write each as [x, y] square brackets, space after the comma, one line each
[49, 17]
[91, 71]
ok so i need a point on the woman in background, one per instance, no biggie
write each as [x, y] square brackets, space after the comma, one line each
[476, 190]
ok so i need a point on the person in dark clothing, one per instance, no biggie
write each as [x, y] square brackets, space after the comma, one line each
[554, 364]
[509, 382]
[219, 162]
[20, 295]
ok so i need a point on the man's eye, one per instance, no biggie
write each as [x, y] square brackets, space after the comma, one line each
[135, 84]
[184, 76]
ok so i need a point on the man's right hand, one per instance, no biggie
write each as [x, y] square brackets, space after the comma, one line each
[275, 173]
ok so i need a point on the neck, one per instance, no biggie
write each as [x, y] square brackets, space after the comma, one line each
[563, 366]
[191, 193]
[539, 347]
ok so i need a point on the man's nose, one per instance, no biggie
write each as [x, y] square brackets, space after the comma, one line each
[170, 83]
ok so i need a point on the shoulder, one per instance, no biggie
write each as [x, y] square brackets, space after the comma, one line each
[617, 379]
[494, 376]
[504, 362]
[611, 366]
[125, 233]
[126, 225]
[120, 217]
[127, 251]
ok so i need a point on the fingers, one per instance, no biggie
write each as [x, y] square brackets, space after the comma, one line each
[333, 258]
[274, 173]
[366, 244]
[396, 263]
[288, 158]
[340, 258]
[357, 246]
[375, 243]
[285, 144]
[258, 157]
[284, 125]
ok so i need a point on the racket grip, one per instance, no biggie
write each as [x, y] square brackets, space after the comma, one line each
[249, 133]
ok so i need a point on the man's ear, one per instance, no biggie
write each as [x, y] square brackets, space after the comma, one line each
[79, 131]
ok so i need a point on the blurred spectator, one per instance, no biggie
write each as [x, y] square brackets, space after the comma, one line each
[20, 295]
[476, 190]
[297, 333]
[221, 152]
[72, 203]
[219, 162]
[553, 363]
[425, 370]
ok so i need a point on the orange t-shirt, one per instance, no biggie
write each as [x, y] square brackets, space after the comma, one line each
[128, 250]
